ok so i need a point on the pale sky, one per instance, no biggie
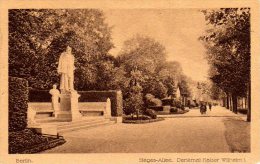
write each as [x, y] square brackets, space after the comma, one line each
[177, 29]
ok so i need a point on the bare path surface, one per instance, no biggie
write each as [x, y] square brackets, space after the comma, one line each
[186, 134]
[216, 111]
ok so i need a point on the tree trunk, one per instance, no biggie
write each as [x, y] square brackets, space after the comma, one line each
[234, 103]
[246, 99]
[242, 102]
[249, 103]
[227, 102]
[230, 103]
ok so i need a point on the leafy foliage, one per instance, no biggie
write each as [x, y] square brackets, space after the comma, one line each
[18, 99]
[150, 100]
[184, 86]
[37, 38]
[20, 140]
[134, 103]
[147, 58]
[151, 113]
[228, 45]
[144, 54]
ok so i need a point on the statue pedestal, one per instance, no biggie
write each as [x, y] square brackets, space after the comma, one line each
[68, 107]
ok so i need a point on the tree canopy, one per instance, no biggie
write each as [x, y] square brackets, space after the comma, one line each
[37, 37]
[228, 48]
[157, 76]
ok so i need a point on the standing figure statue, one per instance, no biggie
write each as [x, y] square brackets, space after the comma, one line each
[66, 70]
[55, 95]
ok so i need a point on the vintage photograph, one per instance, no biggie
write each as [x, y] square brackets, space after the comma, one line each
[97, 80]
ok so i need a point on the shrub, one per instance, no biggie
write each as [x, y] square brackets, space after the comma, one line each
[129, 106]
[179, 105]
[134, 103]
[150, 100]
[151, 113]
[23, 139]
[160, 91]
[173, 110]
[18, 99]
[155, 87]
[28, 141]
[191, 104]
[156, 108]
[149, 96]
[141, 117]
[167, 102]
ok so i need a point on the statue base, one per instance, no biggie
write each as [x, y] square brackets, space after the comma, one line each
[68, 107]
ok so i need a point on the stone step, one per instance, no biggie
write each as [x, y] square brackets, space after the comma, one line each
[82, 123]
[92, 113]
[44, 114]
[86, 126]
[47, 120]
[63, 121]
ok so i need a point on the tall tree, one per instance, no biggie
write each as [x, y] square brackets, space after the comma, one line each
[228, 44]
[143, 53]
[146, 56]
[184, 85]
[37, 37]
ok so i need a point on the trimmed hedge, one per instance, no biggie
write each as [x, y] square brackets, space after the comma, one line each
[101, 96]
[173, 110]
[36, 95]
[167, 102]
[156, 108]
[18, 99]
[150, 100]
[179, 105]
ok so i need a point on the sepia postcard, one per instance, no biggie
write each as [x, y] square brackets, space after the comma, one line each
[130, 82]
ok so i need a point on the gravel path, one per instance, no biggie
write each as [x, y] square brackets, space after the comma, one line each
[184, 134]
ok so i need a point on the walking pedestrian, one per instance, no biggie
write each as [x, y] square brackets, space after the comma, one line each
[210, 105]
[203, 108]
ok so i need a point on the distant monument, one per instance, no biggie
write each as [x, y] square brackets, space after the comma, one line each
[178, 93]
[68, 97]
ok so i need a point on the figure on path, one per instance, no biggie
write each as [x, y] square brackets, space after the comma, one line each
[203, 108]
[66, 70]
[210, 105]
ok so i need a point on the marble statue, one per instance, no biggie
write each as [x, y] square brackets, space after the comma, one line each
[66, 70]
[55, 93]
